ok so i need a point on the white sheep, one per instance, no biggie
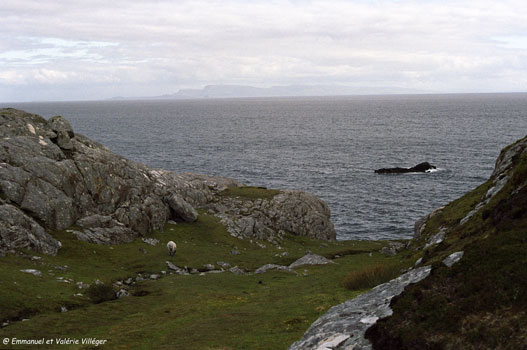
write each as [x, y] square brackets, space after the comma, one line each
[171, 246]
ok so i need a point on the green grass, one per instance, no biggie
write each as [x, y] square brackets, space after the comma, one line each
[250, 192]
[215, 311]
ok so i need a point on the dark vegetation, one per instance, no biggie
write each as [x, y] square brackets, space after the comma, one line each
[99, 293]
[372, 276]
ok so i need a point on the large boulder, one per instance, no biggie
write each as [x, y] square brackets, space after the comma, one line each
[19, 231]
[182, 209]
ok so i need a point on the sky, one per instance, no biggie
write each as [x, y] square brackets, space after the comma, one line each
[98, 49]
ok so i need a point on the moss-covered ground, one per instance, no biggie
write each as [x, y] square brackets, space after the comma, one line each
[214, 311]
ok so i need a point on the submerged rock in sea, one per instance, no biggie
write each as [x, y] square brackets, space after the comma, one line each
[52, 178]
[419, 168]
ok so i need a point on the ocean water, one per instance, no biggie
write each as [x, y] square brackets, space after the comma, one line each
[329, 146]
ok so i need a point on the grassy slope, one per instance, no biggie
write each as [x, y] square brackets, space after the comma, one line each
[481, 302]
[215, 311]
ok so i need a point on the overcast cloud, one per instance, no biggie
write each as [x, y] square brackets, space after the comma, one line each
[68, 50]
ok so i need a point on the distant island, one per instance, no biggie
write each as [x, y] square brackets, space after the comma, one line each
[237, 91]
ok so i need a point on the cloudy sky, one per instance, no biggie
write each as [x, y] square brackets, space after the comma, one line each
[96, 49]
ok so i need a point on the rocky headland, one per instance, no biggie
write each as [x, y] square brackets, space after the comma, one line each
[52, 178]
[468, 288]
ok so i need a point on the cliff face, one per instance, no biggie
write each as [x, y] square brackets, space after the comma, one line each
[53, 179]
[481, 301]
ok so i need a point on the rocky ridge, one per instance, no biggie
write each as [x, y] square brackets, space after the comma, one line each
[52, 178]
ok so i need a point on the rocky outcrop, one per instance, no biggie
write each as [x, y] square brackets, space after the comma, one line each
[343, 326]
[419, 168]
[291, 211]
[19, 231]
[52, 178]
[420, 224]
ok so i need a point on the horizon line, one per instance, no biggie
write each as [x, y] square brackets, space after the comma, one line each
[189, 98]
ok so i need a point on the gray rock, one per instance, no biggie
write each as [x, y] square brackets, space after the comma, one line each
[268, 267]
[63, 309]
[437, 238]
[171, 266]
[33, 272]
[311, 259]
[236, 270]
[453, 258]
[58, 124]
[182, 209]
[121, 293]
[64, 141]
[223, 264]
[178, 270]
[19, 231]
[155, 276]
[235, 252]
[209, 267]
[344, 325]
[392, 248]
[151, 241]
[420, 224]
[82, 285]
[95, 221]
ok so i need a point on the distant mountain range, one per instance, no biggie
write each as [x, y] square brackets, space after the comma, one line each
[233, 91]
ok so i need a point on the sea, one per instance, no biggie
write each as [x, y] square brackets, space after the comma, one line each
[329, 146]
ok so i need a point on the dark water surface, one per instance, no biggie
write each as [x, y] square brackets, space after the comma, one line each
[328, 146]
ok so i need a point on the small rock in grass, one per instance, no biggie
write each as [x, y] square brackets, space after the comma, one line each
[453, 258]
[223, 264]
[33, 272]
[122, 293]
[151, 241]
[209, 267]
[236, 270]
